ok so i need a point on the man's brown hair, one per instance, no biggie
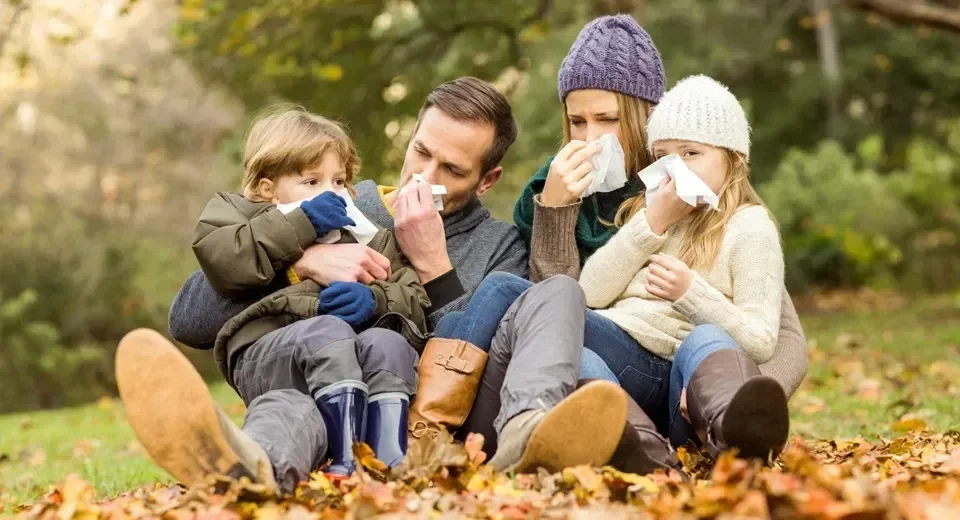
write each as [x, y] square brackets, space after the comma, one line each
[472, 100]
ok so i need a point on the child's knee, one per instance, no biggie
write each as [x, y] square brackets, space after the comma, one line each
[708, 336]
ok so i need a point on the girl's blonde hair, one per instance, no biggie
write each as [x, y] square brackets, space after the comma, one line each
[704, 236]
[286, 140]
[633, 131]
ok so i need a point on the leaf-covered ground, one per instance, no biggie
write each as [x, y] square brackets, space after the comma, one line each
[883, 389]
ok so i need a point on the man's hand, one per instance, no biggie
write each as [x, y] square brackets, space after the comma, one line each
[419, 231]
[328, 263]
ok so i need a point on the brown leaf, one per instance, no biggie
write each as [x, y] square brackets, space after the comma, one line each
[365, 457]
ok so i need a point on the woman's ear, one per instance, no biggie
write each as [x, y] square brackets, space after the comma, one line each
[267, 190]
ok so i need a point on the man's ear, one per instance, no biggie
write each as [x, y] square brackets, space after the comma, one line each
[267, 190]
[488, 180]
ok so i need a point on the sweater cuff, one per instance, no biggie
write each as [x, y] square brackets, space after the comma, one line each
[306, 234]
[698, 297]
[638, 229]
[555, 228]
[444, 289]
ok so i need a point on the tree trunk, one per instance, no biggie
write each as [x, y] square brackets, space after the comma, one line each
[828, 51]
[938, 16]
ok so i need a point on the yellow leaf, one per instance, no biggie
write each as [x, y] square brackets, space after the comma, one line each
[906, 425]
[192, 13]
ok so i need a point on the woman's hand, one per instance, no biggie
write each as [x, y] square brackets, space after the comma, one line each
[665, 208]
[569, 174]
[668, 277]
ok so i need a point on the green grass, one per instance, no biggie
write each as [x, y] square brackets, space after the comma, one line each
[868, 371]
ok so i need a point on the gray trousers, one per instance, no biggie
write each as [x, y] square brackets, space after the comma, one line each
[278, 376]
[534, 359]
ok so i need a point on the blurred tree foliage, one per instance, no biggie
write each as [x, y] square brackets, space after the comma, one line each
[371, 64]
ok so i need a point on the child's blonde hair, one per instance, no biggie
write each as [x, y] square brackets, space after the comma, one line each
[286, 140]
[702, 241]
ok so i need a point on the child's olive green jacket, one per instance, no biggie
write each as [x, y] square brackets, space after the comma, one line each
[241, 244]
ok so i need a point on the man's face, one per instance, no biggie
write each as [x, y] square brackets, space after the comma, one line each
[450, 152]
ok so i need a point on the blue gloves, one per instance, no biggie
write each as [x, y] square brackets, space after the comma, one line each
[327, 212]
[352, 302]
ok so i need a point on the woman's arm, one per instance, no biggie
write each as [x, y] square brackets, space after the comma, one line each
[553, 244]
[756, 268]
[611, 268]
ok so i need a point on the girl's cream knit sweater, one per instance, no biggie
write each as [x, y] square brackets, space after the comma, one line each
[740, 293]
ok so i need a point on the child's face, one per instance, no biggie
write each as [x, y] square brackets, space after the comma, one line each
[326, 175]
[708, 162]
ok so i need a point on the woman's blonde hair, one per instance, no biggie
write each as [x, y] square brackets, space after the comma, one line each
[286, 140]
[633, 131]
[704, 236]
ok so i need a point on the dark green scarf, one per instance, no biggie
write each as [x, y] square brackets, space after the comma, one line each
[591, 233]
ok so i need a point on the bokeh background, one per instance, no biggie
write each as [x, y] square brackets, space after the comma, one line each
[119, 119]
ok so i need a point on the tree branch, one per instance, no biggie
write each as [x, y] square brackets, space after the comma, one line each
[912, 12]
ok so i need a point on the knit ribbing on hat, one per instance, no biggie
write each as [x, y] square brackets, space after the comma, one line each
[613, 53]
[703, 110]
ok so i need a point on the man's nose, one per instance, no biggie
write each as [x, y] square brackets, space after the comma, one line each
[430, 172]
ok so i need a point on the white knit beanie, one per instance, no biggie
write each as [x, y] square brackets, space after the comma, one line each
[703, 110]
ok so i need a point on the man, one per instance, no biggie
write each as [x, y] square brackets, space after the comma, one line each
[463, 131]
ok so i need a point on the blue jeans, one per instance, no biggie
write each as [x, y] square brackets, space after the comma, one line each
[478, 323]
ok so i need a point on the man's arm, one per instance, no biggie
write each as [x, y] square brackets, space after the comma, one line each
[448, 294]
[198, 312]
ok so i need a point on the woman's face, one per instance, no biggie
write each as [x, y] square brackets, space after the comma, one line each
[592, 113]
[708, 162]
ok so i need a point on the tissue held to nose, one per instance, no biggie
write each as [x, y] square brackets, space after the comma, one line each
[690, 188]
[609, 167]
[437, 190]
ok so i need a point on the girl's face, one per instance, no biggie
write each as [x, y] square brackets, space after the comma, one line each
[592, 113]
[708, 162]
[327, 175]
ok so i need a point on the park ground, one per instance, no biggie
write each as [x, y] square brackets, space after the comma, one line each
[878, 370]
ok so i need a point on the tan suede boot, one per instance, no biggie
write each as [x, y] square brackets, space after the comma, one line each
[584, 428]
[449, 375]
[176, 420]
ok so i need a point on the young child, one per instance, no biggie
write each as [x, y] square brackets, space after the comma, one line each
[696, 286]
[361, 380]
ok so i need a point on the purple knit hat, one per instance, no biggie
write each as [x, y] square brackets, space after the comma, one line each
[614, 53]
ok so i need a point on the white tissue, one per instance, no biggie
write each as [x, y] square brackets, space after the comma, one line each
[609, 167]
[363, 231]
[438, 191]
[690, 188]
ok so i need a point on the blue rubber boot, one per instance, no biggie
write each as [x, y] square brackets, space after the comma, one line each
[344, 410]
[387, 426]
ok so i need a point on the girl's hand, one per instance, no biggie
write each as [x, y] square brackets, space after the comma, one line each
[569, 174]
[666, 208]
[668, 277]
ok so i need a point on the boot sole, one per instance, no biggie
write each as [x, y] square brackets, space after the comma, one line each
[585, 428]
[757, 420]
[171, 411]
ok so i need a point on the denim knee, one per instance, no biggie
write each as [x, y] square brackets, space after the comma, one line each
[702, 341]
[592, 366]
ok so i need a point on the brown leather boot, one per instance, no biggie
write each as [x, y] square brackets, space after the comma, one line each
[731, 405]
[449, 375]
[641, 449]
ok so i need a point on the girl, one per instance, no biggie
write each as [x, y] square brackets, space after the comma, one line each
[693, 290]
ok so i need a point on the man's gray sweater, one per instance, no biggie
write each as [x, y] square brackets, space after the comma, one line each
[477, 243]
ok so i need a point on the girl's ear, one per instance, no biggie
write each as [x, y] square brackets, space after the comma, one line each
[267, 189]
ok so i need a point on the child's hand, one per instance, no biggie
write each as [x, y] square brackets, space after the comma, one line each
[327, 212]
[666, 208]
[352, 302]
[668, 277]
